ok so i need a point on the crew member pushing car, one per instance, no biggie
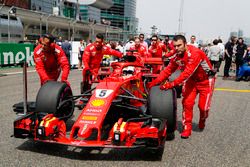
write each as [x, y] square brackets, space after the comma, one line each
[197, 77]
[50, 60]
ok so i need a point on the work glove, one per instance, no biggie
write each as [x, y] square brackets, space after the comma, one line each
[167, 85]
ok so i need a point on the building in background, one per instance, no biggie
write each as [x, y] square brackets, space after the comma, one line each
[234, 33]
[90, 13]
[43, 5]
[72, 19]
[122, 15]
[18, 3]
[240, 33]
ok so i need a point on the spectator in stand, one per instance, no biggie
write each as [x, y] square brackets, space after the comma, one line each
[81, 51]
[143, 43]
[193, 41]
[222, 47]
[214, 53]
[229, 51]
[241, 52]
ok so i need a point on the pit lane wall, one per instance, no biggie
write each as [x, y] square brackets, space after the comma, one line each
[12, 54]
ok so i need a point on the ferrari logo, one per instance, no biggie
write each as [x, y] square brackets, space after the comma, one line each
[97, 102]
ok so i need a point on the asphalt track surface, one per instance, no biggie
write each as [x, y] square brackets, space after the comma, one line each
[224, 142]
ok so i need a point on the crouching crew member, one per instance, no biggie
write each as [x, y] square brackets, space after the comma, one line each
[50, 60]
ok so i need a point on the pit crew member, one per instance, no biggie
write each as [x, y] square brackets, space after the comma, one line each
[156, 49]
[93, 55]
[170, 50]
[137, 46]
[50, 60]
[197, 78]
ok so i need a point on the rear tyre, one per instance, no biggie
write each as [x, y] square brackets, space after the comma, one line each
[162, 105]
[49, 97]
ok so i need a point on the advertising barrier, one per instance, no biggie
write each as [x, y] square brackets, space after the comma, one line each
[12, 54]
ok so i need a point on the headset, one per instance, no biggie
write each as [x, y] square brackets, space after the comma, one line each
[51, 39]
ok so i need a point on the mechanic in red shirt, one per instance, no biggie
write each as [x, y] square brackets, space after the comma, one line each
[141, 50]
[156, 49]
[50, 59]
[170, 54]
[197, 77]
[170, 47]
[93, 55]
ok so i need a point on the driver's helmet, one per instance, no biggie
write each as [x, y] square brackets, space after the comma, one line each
[129, 70]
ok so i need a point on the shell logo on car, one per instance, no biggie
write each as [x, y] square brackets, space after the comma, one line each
[97, 102]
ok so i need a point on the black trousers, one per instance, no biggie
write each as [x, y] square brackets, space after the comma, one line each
[228, 62]
[68, 57]
[239, 61]
[215, 64]
[219, 64]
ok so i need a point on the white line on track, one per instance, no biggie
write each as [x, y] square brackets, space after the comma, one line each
[20, 72]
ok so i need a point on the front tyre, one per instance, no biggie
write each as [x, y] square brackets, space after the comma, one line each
[162, 105]
[55, 98]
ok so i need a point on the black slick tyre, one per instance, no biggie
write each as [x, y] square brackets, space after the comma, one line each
[162, 105]
[49, 97]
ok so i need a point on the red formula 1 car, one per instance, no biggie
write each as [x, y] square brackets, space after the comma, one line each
[118, 112]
